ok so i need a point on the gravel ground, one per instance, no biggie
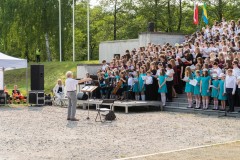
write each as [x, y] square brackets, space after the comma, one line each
[44, 133]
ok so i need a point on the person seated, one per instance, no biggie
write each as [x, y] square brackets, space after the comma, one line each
[58, 91]
[17, 95]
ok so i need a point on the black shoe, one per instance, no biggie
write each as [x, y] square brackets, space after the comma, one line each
[74, 119]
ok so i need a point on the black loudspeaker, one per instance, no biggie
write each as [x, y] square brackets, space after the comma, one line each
[37, 77]
[82, 96]
[36, 97]
[151, 27]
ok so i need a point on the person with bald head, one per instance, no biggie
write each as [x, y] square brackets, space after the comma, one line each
[71, 87]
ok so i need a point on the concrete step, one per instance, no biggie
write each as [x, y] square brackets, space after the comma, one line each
[183, 109]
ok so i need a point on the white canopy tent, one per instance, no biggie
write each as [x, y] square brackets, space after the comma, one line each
[9, 63]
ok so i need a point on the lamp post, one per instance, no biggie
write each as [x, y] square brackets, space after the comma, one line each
[73, 30]
[60, 31]
[88, 29]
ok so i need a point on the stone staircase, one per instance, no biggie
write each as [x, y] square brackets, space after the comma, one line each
[180, 105]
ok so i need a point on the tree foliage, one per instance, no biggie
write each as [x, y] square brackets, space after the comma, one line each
[26, 25]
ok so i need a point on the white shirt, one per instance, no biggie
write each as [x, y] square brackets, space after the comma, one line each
[55, 89]
[170, 71]
[230, 82]
[217, 70]
[149, 80]
[71, 84]
[130, 81]
[236, 72]
[104, 67]
[158, 72]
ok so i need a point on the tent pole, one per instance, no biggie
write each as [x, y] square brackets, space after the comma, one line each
[3, 78]
[27, 84]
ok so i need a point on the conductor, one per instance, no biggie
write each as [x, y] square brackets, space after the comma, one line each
[71, 85]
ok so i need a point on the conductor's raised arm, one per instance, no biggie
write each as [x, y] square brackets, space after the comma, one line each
[85, 80]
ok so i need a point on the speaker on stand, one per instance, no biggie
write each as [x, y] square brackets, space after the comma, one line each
[151, 27]
[36, 95]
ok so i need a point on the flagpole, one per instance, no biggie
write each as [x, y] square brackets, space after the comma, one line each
[60, 31]
[88, 29]
[73, 30]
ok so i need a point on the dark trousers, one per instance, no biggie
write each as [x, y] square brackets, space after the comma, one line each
[148, 92]
[169, 90]
[230, 98]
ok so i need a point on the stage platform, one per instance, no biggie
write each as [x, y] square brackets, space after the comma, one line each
[178, 105]
[124, 104]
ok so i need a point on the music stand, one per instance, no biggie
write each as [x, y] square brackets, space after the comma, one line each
[88, 90]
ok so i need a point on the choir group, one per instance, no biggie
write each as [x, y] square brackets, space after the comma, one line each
[205, 66]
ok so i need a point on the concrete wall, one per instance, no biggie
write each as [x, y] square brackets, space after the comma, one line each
[159, 38]
[109, 48]
[83, 69]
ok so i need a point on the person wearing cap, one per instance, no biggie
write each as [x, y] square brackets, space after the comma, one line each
[230, 87]
[204, 88]
[214, 93]
[71, 87]
[221, 95]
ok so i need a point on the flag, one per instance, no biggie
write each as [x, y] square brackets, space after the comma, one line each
[204, 14]
[195, 15]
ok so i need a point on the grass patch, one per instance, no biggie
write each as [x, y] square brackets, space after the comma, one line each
[52, 72]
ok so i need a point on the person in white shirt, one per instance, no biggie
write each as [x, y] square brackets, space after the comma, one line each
[236, 70]
[216, 69]
[104, 65]
[71, 85]
[230, 88]
[148, 83]
[59, 91]
[169, 81]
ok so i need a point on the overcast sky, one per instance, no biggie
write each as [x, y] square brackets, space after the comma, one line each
[93, 2]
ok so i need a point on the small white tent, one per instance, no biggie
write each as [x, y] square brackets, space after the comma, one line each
[9, 63]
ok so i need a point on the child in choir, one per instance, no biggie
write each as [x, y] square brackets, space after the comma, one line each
[230, 88]
[238, 85]
[189, 88]
[141, 83]
[214, 94]
[196, 91]
[204, 88]
[162, 86]
[222, 96]
[136, 85]
[117, 77]
[148, 84]
[130, 86]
